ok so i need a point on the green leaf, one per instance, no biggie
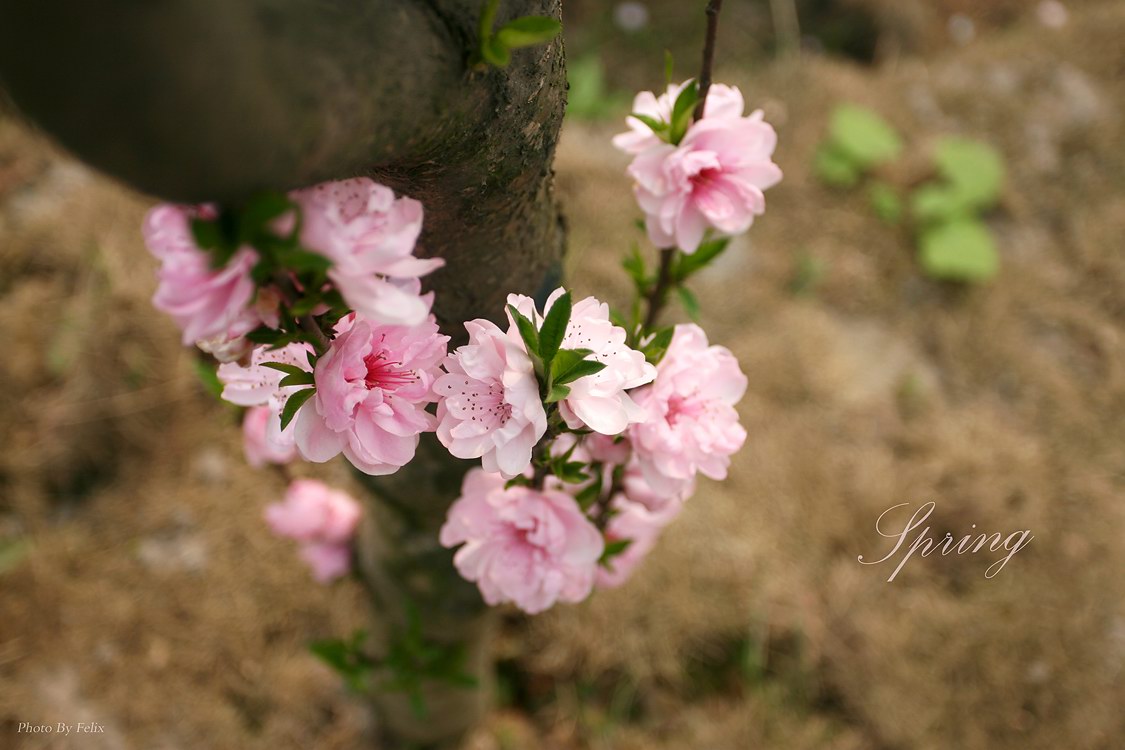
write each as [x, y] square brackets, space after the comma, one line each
[528, 31]
[690, 303]
[301, 261]
[496, 54]
[262, 209]
[295, 402]
[961, 250]
[558, 393]
[484, 25]
[528, 332]
[269, 336]
[304, 305]
[974, 169]
[656, 347]
[669, 66]
[286, 368]
[701, 258]
[885, 202]
[305, 378]
[683, 111]
[553, 330]
[561, 375]
[571, 472]
[863, 136]
[207, 234]
[657, 126]
[634, 265]
[588, 495]
[612, 550]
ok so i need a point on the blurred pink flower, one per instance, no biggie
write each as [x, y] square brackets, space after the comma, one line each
[488, 402]
[635, 522]
[205, 302]
[262, 440]
[713, 179]
[521, 545]
[597, 401]
[327, 561]
[372, 387]
[369, 236]
[692, 424]
[323, 520]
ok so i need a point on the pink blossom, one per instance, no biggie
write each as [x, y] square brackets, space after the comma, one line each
[521, 545]
[372, 387]
[597, 401]
[692, 425]
[713, 179]
[323, 520]
[723, 102]
[642, 527]
[263, 442]
[258, 387]
[327, 561]
[205, 302]
[369, 235]
[488, 402]
[233, 345]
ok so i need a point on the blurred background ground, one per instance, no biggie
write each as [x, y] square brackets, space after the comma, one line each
[141, 590]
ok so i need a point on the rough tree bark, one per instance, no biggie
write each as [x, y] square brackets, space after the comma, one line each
[194, 100]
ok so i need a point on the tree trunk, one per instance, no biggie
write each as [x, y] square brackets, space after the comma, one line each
[211, 100]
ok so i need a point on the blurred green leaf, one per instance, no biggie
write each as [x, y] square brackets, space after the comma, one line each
[208, 376]
[657, 345]
[961, 250]
[589, 96]
[688, 264]
[528, 31]
[689, 301]
[834, 167]
[974, 169]
[683, 111]
[885, 202]
[863, 136]
[935, 203]
[612, 550]
[807, 274]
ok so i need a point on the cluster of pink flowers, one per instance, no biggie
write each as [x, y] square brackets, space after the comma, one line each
[537, 545]
[589, 436]
[712, 179]
[365, 232]
[322, 520]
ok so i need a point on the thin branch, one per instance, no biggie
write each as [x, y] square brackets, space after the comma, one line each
[713, 8]
[658, 295]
